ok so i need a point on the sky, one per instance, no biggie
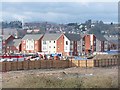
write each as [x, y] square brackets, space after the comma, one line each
[59, 12]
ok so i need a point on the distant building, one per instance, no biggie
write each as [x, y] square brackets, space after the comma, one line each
[65, 44]
[14, 46]
[6, 40]
[94, 43]
[113, 42]
[71, 42]
[52, 43]
[31, 43]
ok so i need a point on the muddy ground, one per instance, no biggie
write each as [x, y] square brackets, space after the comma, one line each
[104, 77]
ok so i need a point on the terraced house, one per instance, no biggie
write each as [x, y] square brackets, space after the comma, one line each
[94, 43]
[6, 40]
[71, 44]
[31, 43]
[65, 44]
[15, 46]
[53, 43]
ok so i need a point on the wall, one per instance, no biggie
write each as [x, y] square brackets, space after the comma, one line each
[106, 46]
[98, 45]
[66, 47]
[30, 44]
[50, 46]
[87, 43]
[60, 44]
[47, 64]
[79, 47]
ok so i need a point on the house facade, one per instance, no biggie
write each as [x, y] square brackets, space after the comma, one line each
[31, 43]
[6, 40]
[14, 46]
[71, 43]
[93, 43]
[65, 44]
[52, 43]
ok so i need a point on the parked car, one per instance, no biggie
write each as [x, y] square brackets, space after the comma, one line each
[3, 60]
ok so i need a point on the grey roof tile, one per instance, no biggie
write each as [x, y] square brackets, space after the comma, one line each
[73, 37]
[51, 36]
[32, 36]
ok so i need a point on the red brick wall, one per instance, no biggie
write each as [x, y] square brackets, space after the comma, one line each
[102, 46]
[37, 46]
[6, 42]
[23, 44]
[75, 48]
[60, 44]
[87, 43]
[94, 39]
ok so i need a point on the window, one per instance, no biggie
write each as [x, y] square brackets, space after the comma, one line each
[54, 46]
[54, 41]
[44, 48]
[66, 42]
[49, 46]
[65, 48]
[50, 41]
[44, 42]
[27, 46]
[91, 47]
[32, 47]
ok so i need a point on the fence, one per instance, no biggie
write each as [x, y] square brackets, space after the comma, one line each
[46, 64]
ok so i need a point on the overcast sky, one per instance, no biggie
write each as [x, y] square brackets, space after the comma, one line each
[60, 12]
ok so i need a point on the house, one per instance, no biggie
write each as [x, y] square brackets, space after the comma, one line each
[17, 33]
[113, 41]
[5, 41]
[14, 46]
[65, 44]
[94, 43]
[72, 44]
[53, 43]
[31, 43]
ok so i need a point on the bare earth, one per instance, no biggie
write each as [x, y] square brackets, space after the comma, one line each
[74, 77]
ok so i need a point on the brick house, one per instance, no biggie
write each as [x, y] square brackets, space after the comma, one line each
[53, 43]
[71, 43]
[14, 46]
[31, 43]
[6, 40]
[113, 41]
[65, 44]
[94, 43]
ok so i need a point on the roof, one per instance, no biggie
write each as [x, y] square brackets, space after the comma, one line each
[73, 37]
[114, 41]
[101, 37]
[32, 36]
[51, 36]
[15, 42]
[111, 38]
[5, 37]
[98, 36]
